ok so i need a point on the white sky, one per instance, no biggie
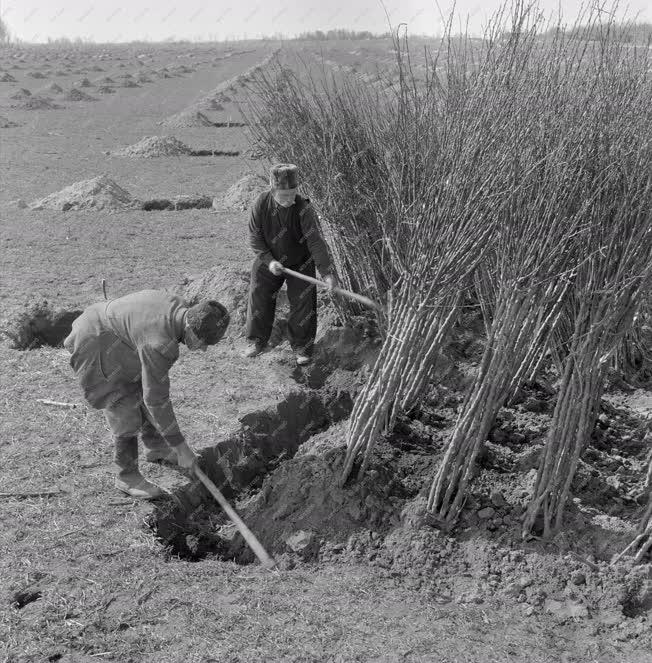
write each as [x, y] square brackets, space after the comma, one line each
[155, 20]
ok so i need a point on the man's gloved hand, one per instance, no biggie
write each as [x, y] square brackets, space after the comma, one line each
[186, 457]
[330, 281]
[276, 268]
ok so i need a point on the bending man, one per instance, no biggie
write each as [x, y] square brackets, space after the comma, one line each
[122, 352]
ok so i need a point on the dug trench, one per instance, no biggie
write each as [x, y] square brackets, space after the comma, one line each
[281, 471]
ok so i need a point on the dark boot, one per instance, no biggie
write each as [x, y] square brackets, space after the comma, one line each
[129, 479]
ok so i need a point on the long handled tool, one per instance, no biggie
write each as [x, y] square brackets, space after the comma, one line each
[340, 291]
[260, 552]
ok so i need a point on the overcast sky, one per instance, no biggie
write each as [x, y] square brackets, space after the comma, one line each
[117, 20]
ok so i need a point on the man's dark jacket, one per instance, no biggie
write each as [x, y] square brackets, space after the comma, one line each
[290, 235]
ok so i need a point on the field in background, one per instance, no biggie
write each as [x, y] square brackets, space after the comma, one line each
[95, 583]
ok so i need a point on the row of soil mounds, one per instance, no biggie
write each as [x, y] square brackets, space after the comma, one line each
[102, 193]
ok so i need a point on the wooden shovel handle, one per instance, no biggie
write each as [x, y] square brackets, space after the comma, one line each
[258, 550]
[340, 291]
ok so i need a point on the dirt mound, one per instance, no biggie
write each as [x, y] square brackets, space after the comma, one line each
[128, 82]
[78, 95]
[84, 83]
[106, 80]
[37, 103]
[38, 324]
[37, 74]
[23, 93]
[7, 78]
[227, 286]
[105, 89]
[302, 498]
[6, 123]
[54, 87]
[155, 146]
[187, 118]
[143, 78]
[97, 193]
[243, 193]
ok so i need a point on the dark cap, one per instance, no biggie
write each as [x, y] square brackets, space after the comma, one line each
[209, 320]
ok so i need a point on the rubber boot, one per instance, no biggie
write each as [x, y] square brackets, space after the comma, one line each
[129, 480]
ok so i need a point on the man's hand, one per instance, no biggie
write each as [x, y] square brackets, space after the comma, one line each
[276, 268]
[186, 457]
[330, 281]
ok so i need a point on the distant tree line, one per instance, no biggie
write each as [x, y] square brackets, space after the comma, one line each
[341, 33]
[629, 33]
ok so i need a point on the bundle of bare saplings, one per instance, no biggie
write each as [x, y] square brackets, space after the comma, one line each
[515, 176]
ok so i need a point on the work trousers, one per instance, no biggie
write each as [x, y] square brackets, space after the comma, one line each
[302, 322]
[127, 417]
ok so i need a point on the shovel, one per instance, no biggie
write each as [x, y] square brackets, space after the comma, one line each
[340, 291]
[255, 545]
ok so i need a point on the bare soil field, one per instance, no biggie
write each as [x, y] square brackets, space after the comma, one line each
[88, 575]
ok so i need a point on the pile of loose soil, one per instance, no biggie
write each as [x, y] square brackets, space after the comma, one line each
[155, 146]
[23, 93]
[242, 194]
[105, 89]
[97, 193]
[143, 78]
[7, 78]
[6, 123]
[106, 81]
[38, 324]
[187, 118]
[78, 95]
[54, 87]
[84, 83]
[129, 83]
[36, 103]
[228, 286]
[301, 502]
[37, 74]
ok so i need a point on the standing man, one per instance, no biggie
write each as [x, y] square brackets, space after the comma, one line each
[122, 352]
[284, 232]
